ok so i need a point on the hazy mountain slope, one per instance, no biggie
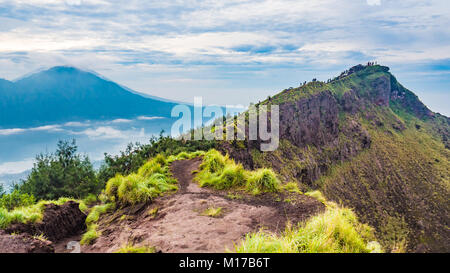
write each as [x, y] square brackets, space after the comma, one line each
[368, 142]
[63, 94]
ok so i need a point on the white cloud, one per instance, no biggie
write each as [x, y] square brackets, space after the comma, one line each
[149, 118]
[7, 132]
[16, 167]
[107, 132]
[14, 131]
[121, 120]
[373, 2]
[171, 48]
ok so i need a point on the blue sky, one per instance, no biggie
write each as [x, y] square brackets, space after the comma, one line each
[234, 51]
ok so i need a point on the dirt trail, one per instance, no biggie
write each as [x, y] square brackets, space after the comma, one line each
[181, 226]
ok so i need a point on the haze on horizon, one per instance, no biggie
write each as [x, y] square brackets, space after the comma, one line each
[230, 52]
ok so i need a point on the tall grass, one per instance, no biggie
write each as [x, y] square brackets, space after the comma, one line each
[337, 230]
[136, 249]
[185, 155]
[262, 180]
[29, 214]
[151, 180]
[221, 172]
[91, 222]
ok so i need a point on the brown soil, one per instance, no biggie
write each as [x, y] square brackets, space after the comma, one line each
[180, 226]
[59, 222]
[23, 243]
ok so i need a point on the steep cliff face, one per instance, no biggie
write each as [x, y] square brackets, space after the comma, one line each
[368, 142]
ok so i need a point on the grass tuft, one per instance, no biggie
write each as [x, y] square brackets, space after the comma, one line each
[337, 230]
[263, 180]
[151, 180]
[212, 212]
[28, 214]
[134, 249]
[221, 172]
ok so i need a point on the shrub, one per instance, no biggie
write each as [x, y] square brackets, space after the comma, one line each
[263, 180]
[16, 199]
[63, 173]
[90, 199]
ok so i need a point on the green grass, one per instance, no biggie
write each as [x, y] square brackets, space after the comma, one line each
[90, 199]
[317, 195]
[263, 180]
[28, 214]
[292, 187]
[91, 222]
[185, 155]
[212, 212]
[97, 211]
[337, 230]
[151, 180]
[91, 235]
[222, 173]
[136, 249]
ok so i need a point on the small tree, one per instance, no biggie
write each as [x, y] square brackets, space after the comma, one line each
[62, 174]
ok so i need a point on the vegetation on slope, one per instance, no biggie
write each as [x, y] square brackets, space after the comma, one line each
[337, 230]
[91, 222]
[400, 185]
[150, 181]
[221, 172]
[136, 155]
[28, 214]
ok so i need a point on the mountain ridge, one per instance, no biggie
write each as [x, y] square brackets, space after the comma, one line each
[65, 93]
[368, 143]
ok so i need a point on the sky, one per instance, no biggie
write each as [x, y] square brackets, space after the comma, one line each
[233, 51]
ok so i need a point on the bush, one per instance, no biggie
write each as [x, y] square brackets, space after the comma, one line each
[16, 199]
[137, 154]
[63, 173]
[90, 199]
[263, 180]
